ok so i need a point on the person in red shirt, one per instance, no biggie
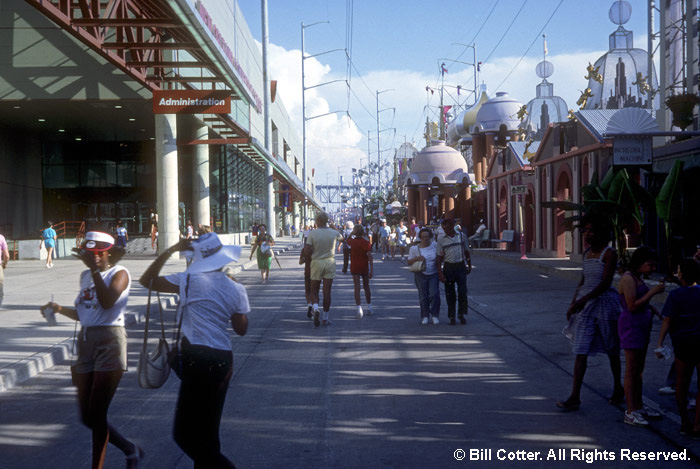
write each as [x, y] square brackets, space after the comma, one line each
[361, 267]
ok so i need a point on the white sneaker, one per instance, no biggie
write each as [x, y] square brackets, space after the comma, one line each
[359, 312]
[424, 321]
[436, 321]
[635, 418]
[667, 390]
[369, 310]
[650, 413]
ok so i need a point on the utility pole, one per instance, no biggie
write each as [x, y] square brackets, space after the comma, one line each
[303, 105]
[269, 170]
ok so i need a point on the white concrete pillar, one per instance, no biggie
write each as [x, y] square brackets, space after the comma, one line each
[167, 180]
[200, 187]
[296, 217]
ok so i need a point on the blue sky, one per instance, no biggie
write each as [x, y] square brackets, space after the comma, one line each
[398, 45]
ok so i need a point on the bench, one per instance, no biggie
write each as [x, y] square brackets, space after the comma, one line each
[482, 238]
[506, 237]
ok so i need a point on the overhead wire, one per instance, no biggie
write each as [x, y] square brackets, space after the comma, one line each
[505, 32]
[537, 36]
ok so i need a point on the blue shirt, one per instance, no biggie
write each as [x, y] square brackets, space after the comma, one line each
[683, 307]
[49, 234]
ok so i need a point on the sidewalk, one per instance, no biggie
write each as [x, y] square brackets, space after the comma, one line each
[29, 345]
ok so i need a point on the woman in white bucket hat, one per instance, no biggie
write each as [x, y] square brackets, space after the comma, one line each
[210, 301]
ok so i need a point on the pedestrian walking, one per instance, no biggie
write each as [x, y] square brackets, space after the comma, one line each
[122, 234]
[392, 242]
[347, 232]
[594, 311]
[4, 258]
[634, 328]
[320, 245]
[681, 314]
[100, 306]
[361, 267]
[189, 230]
[453, 251]
[374, 228]
[48, 240]
[426, 280]
[211, 300]
[413, 229]
[305, 260]
[383, 234]
[262, 248]
[402, 238]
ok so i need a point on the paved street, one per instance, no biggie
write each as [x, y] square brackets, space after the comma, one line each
[383, 391]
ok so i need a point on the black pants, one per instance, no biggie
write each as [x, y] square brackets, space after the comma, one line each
[456, 274]
[346, 258]
[205, 378]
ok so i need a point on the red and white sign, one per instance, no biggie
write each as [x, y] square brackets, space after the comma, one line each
[191, 102]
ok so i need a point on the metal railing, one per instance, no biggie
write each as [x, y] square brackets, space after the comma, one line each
[71, 229]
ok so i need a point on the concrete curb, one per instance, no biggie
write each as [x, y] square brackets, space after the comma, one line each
[572, 273]
[20, 371]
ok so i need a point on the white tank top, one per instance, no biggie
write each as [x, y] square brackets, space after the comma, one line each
[89, 309]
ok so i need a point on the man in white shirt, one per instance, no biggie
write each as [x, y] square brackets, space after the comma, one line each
[452, 250]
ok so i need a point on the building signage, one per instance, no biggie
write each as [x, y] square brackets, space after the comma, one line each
[191, 102]
[216, 33]
[632, 150]
[518, 190]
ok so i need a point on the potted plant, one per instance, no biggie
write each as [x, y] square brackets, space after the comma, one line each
[681, 105]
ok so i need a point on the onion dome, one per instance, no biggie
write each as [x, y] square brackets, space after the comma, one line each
[459, 128]
[545, 107]
[498, 111]
[441, 162]
[620, 78]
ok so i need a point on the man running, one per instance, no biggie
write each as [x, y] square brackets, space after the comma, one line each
[320, 245]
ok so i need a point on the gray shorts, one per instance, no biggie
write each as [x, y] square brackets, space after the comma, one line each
[101, 348]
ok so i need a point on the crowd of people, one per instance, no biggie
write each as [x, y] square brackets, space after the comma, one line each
[602, 319]
[606, 320]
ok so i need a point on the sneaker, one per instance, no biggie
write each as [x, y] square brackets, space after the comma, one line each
[326, 322]
[462, 319]
[453, 322]
[310, 312]
[424, 321]
[369, 310]
[650, 413]
[317, 318]
[635, 418]
[359, 312]
[667, 390]
[436, 321]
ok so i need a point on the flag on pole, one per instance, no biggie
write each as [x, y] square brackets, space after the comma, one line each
[544, 39]
[478, 66]
[427, 88]
[459, 87]
[443, 69]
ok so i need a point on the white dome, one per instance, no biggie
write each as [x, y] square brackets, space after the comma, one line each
[501, 110]
[441, 162]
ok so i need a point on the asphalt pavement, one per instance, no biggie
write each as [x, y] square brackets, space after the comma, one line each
[382, 391]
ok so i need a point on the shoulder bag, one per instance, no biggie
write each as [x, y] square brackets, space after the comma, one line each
[418, 266]
[153, 367]
[175, 355]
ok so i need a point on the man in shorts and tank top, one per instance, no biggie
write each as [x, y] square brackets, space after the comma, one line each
[320, 245]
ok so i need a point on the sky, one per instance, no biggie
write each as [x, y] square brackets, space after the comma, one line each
[397, 47]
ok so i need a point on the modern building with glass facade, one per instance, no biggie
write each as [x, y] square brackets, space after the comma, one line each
[81, 140]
